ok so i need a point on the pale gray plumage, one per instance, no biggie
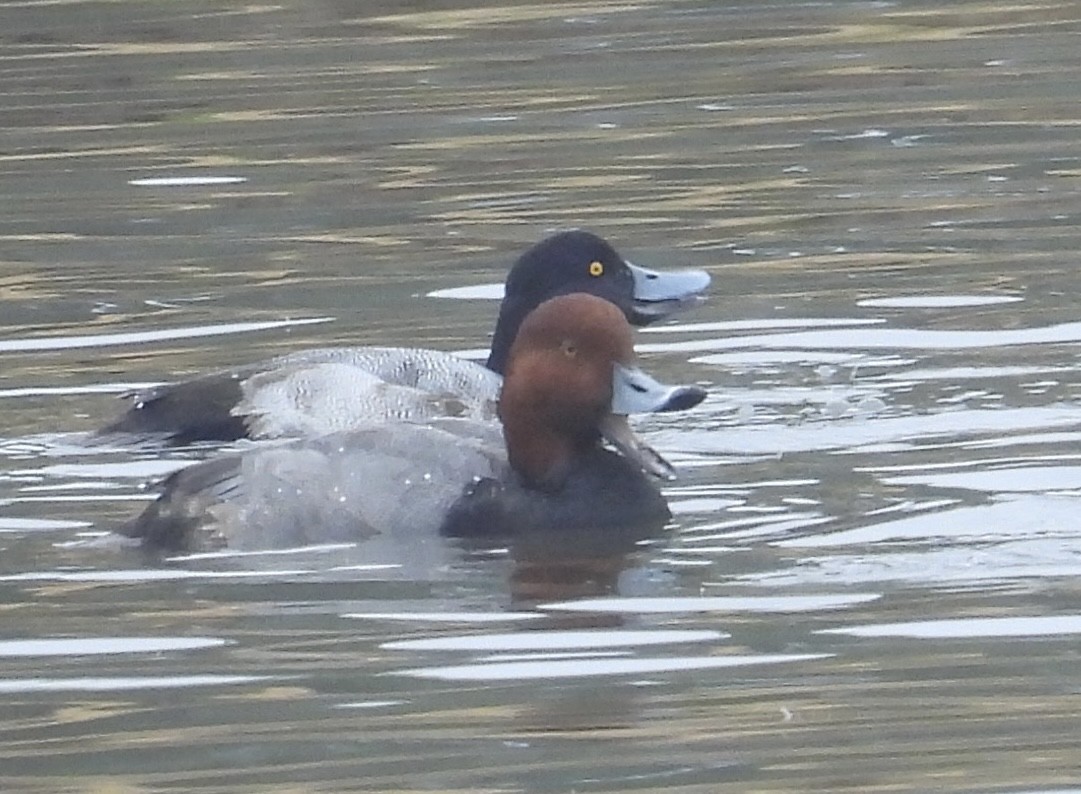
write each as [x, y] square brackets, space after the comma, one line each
[392, 481]
[315, 392]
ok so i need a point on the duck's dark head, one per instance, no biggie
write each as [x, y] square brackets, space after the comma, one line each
[578, 261]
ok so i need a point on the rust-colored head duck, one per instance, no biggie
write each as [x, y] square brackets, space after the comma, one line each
[571, 380]
[558, 385]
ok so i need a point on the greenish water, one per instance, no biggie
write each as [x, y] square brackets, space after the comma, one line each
[871, 582]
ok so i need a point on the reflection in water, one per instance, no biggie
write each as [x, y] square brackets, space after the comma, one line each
[724, 604]
[29, 685]
[869, 581]
[548, 667]
[893, 339]
[554, 641]
[972, 628]
[144, 337]
[186, 181]
[105, 645]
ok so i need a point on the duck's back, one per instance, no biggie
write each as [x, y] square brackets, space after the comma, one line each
[429, 370]
[313, 392]
[382, 480]
[329, 390]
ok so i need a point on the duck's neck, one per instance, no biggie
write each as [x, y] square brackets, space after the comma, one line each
[511, 313]
[543, 459]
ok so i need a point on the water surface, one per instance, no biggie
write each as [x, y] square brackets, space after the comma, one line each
[870, 582]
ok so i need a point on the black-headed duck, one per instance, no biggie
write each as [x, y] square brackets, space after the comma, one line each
[314, 392]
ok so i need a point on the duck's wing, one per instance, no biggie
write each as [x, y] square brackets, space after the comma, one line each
[311, 392]
[301, 398]
[432, 371]
[387, 480]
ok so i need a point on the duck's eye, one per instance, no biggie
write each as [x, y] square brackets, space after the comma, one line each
[570, 350]
[596, 268]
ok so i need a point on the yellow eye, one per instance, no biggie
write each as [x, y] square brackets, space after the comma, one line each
[596, 268]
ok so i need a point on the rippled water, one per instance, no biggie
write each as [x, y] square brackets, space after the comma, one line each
[871, 581]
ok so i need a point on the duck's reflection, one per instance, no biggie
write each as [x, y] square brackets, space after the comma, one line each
[560, 564]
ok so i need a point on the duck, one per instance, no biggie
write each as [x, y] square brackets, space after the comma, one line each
[311, 393]
[570, 381]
